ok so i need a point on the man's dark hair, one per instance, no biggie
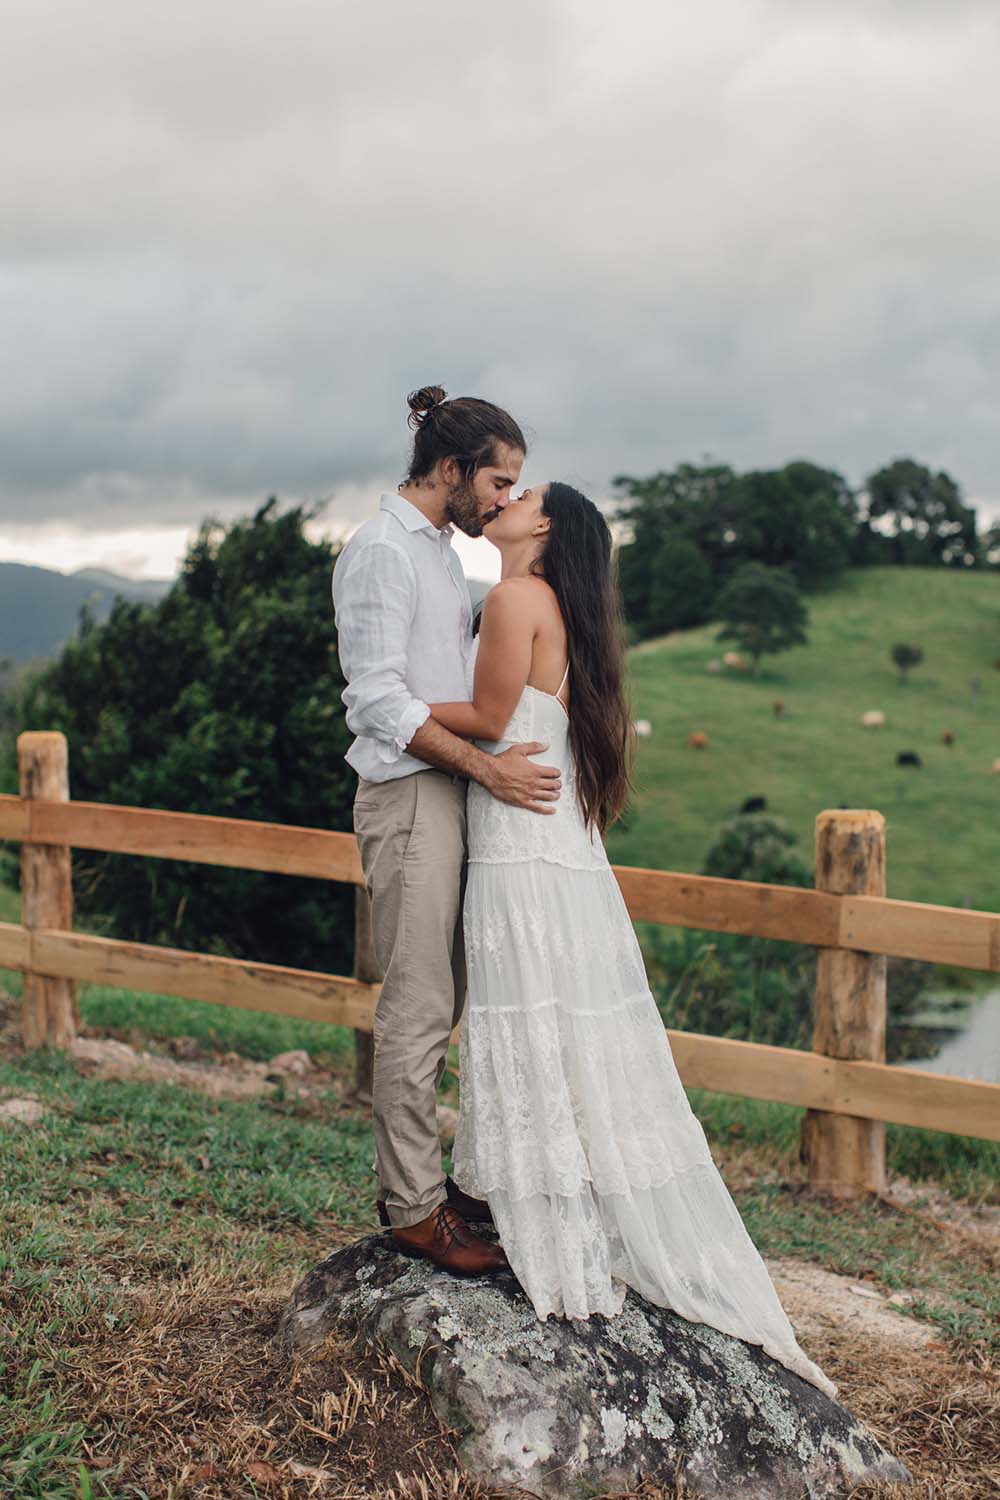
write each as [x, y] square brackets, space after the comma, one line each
[464, 428]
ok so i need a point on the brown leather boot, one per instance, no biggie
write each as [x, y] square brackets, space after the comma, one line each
[446, 1239]
[473, 1210]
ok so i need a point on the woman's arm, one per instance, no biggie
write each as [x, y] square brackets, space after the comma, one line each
[506, 636]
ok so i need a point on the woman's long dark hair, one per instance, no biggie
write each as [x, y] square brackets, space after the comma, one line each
[578, 564]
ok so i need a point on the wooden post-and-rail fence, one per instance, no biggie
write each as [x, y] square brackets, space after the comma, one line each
[844, 1084]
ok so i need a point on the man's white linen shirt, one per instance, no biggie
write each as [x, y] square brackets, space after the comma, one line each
[404, 629]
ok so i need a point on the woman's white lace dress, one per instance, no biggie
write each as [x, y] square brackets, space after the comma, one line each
[573, 1122]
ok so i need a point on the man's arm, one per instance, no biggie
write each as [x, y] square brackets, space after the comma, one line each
[375, 598]
[510, 777]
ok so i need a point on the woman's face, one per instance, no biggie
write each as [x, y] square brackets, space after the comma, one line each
[520, 520]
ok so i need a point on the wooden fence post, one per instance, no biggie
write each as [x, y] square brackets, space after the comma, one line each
[366, 968]
[845, 1154]
[49, 1015]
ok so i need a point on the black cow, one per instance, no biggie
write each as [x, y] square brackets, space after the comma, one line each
[754, 804]
[908, 758]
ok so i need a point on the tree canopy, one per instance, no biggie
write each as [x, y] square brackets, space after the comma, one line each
[927, 520]
[687, 530]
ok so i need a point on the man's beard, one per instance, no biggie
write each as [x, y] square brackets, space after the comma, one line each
[463, 509]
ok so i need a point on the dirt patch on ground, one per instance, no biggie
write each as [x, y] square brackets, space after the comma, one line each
[822, 1305]
[103, 1057]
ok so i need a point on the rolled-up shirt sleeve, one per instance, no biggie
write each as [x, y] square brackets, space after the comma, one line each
[374, 601]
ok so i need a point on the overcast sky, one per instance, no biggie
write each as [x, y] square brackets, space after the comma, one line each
[234, 236]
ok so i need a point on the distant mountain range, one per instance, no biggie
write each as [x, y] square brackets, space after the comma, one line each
[39, 608]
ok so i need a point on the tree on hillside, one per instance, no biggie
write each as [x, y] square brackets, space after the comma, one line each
[680, 589]
[803, 517]
[689, 503]
[927, 520]
[760, 608]
[906, 656]
[223, 698]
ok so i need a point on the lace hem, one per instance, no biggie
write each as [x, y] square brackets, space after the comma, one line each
[638, 1182]
[520, 857]
[641, 997]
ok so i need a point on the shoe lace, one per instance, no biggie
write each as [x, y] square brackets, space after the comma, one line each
[450, 1227]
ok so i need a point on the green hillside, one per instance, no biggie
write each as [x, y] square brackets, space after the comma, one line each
[943, 821]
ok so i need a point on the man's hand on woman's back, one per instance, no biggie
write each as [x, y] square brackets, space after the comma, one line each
[522, 782]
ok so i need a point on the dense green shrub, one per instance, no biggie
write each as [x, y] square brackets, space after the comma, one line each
[757, 846]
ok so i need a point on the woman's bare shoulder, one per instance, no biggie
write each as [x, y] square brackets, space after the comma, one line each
[528, 592]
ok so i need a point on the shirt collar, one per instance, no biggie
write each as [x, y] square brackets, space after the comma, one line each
[412, 518]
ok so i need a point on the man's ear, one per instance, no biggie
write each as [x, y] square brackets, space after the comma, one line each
[450, 470]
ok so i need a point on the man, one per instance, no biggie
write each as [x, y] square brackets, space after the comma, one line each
[404, 625]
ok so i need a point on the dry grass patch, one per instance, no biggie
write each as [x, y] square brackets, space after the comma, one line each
[194, 1398]
[189, 1395]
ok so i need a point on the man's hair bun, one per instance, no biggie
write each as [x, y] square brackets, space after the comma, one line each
[423, 402]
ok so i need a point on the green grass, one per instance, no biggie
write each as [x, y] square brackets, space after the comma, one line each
[138, 1152]
[942, 820]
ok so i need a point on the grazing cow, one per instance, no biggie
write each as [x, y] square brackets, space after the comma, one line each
[908, 758]
[698, 740]
[735, 660]
[947, 738]
[779, 706]
[643, 728]
[754, 804]
[873, 718]
[996, 767]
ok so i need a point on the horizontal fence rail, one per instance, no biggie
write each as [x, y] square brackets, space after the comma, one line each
[844, 1085]
[796, 914]
[869, 1090]
[303, 993]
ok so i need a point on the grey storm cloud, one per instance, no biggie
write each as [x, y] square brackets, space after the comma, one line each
[234, 237]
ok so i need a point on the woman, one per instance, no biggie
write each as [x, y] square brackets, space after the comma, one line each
[573, 1123]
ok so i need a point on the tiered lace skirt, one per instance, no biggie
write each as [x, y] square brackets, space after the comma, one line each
[574, 1123]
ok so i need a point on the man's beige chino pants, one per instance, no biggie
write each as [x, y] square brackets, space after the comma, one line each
[412, 841]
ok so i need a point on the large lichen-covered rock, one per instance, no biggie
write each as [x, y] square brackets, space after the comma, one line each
[575, 1408]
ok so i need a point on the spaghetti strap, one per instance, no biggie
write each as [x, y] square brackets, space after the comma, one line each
[563, 683]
